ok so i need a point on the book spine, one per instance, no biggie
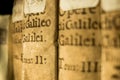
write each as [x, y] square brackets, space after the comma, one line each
[39, 51]
[110, 19]
[17, 26]
[79, 41]
[10, 75]
[4, 22]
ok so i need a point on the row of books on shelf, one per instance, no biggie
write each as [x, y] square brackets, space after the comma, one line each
[61, 40]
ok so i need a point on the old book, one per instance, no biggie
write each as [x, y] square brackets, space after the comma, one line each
[111, 40]
[17, 21]
[79, 40]
[4, 22]
[39, 52]
[10, 74]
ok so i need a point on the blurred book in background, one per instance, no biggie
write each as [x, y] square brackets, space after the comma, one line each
[4, 22]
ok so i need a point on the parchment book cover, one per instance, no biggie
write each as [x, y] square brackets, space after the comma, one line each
[79, 40]
[4, 22]
[10, 75]
[39, 51]
[111, 39]
[17, 27]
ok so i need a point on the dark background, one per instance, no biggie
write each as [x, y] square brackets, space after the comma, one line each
[6, 7]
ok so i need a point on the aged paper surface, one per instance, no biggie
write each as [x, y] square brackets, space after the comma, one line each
[34, 6]
[111, 48]
[39, 54]
[17, 14]
[76, 4]
[4, 22]
[111, 42]
[17, 19]
[17, 49]
[10, 51]
[110, 5]
[80, 44]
